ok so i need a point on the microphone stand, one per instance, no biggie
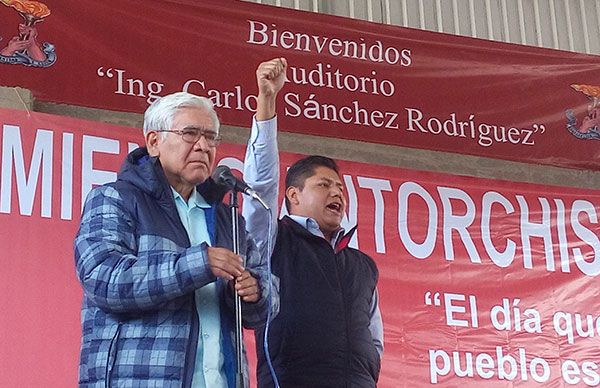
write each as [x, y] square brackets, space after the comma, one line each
[239, 353]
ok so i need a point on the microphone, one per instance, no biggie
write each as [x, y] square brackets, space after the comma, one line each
[223, 176]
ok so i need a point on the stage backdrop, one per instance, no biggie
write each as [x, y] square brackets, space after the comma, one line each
[481, 281]
[347, 79]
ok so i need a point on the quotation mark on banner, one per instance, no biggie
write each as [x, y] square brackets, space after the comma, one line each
[460, 310]
[541, 128]
[108, 73]
[436, 299]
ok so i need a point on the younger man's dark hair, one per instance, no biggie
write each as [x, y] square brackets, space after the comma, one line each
[304, 168]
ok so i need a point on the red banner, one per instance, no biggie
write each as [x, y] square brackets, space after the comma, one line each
[481, 281]
[347, 79]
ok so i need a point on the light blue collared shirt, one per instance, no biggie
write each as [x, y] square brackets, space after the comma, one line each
[313, 227]
[208, 370]
[261, 172]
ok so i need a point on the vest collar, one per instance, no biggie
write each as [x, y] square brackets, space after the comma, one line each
[342, 239]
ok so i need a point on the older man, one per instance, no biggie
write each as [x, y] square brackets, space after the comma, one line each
[152, 256]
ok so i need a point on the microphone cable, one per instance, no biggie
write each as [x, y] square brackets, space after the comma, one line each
[268, 323]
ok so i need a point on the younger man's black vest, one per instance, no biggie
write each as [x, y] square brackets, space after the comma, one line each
[321, 337]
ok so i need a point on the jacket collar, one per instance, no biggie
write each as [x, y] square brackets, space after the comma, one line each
[145, 172]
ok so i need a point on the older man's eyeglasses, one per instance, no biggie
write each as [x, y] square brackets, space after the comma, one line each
[192, 135]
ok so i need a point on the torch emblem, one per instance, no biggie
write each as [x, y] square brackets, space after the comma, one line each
[590, 126]
[24, 48]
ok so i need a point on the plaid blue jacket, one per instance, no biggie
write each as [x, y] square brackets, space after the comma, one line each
[139, 274]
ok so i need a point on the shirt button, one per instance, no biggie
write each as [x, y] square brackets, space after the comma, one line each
[206, 335]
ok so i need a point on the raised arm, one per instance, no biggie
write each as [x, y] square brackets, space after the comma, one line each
[261, 165]
[270, 77]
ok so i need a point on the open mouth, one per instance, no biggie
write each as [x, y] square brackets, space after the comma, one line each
[335, 206]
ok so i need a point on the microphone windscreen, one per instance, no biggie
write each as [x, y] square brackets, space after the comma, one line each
[222, 175]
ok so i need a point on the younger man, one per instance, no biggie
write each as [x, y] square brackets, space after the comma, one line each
[329, 331]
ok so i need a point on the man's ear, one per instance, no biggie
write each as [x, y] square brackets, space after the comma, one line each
[152, 141]
[292, 195]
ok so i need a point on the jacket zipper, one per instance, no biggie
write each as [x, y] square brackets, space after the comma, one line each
[112, 356]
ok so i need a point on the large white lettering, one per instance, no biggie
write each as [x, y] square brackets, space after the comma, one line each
[426, 213]
[424, 249]
[501, 259]
[377, 186]
[89, 175]
[460, 223]
[12, 151]
[588, 267]
[531, 229]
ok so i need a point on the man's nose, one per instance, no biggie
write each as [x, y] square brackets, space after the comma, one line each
[202, 144]
[336, 192]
